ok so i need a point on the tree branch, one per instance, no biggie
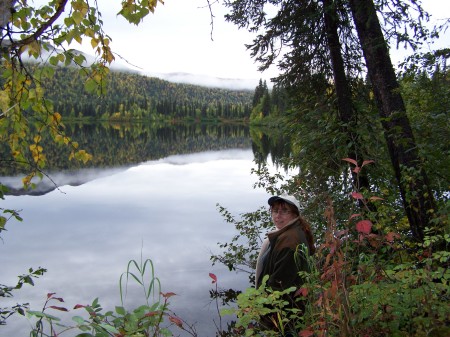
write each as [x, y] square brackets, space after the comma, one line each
[34, 37]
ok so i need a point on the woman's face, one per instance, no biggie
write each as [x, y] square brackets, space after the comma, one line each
[282, 214]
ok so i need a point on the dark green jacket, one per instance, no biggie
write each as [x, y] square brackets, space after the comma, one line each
[281, 259]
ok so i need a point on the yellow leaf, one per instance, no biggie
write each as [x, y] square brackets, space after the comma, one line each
[108, 56]
[4, 101]
[78, 39]
[57, 117]
[77, 16]
[26, 180]
[80, 6]
[94, 42]
[34, 48]
[31, 94]
[89, 32]
[35, 158]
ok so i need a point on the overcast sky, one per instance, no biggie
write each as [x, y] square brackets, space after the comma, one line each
[177, 39]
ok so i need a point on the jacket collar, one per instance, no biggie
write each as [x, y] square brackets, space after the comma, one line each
[277, 232]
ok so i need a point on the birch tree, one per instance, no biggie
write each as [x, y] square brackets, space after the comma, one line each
[34, 39]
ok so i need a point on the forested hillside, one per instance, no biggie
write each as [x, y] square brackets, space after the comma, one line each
[134, 96]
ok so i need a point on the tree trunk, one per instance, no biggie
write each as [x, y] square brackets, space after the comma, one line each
[6, 7]
[347, 112]
[416, 194]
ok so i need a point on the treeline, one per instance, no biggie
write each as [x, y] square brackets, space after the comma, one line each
[131, 96]
[267, 102]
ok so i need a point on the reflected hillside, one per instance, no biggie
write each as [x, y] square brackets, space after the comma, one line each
[125, 145]
[117, 147]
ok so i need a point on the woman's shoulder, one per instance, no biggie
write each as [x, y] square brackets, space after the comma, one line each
[292, 236]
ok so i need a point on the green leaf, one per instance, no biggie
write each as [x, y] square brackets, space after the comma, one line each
[90, 85]
[121, 310]
[109, 328]
[78, 319]
[2, 222]
[41, 314]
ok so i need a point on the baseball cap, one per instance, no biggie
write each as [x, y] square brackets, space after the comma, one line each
[286, 198]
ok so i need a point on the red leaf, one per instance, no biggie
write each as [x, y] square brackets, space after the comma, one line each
[306, 333]
[352, 161]
[354, 216]
[167, 295]
[58, 308]
[176, 321]
[302, 292]
[214, 277]
[375, 198]
[50, 295]
[78, 306]
[357, 195]
[391, 236]
[364, 226]
[357, 169]
[338, 234]
[366, 162]
[152, 313]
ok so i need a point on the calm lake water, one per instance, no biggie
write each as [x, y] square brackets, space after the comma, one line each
[164, 209]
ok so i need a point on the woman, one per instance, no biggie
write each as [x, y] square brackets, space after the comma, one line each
[281, 257]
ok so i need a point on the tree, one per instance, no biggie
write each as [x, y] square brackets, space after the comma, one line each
[346, 109]
[318, 34]
[260, 91]
[413, 182]
[315, 66]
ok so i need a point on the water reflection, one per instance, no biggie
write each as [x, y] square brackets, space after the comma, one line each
[165, 209]
[123, 145]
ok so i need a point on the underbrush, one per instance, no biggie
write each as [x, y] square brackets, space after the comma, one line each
[365, 280]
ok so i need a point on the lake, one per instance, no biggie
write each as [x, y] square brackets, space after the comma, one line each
[85, 233]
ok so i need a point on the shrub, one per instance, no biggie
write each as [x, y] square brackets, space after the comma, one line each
[364, 280]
